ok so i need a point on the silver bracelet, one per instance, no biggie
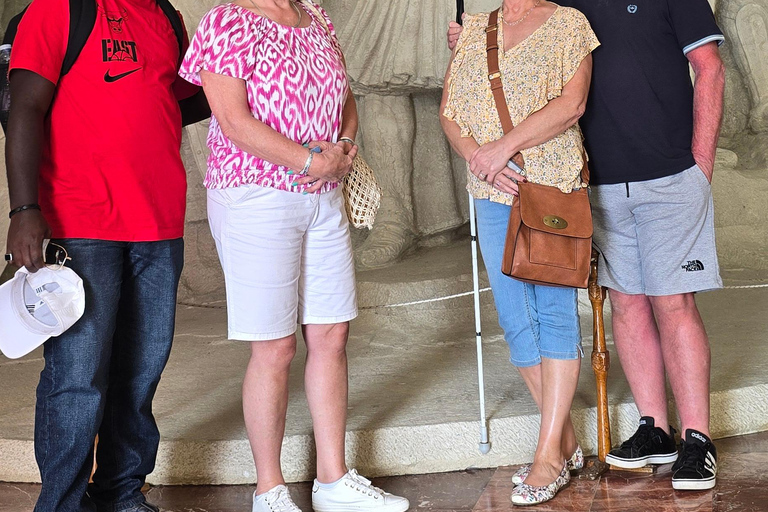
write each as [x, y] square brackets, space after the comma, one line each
[347, 139]
[311, 157]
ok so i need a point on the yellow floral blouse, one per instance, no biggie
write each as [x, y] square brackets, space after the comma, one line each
[533, 72]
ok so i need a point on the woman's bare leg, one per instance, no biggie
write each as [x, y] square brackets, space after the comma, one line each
[532, 377]
[265, 402]
[559, 381]
[326, 384]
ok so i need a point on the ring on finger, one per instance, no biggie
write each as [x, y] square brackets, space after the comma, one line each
[481, 176]
[513, 180]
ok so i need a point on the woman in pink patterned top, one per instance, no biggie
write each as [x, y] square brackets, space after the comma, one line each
[281, 137]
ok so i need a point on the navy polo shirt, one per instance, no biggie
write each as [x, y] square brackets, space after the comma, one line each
[639, 120]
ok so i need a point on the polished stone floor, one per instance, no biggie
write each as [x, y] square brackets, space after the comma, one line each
[742, 487]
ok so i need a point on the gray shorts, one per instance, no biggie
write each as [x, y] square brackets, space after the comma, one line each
[656, 237]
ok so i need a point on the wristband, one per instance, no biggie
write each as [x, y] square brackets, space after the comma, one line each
[24, 208]
[347, 139]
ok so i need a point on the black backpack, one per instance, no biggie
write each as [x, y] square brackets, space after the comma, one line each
[82, 15]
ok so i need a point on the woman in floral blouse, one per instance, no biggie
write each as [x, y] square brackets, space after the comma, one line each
[546, 65]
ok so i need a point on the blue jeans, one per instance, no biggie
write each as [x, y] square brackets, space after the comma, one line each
[101, 375]
[538, 321]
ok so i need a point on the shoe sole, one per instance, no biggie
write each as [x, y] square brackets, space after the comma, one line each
[527, 504]
[641, 461]
[694, 485]
[516, 504]
[392, 508]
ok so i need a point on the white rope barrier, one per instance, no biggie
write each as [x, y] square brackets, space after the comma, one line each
[465, 294]
[425, 301]
[454, 296]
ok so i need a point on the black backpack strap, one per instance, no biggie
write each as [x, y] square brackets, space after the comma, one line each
[13, 27]
[173, 16]
[82, 16]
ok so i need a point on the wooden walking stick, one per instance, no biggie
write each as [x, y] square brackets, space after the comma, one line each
[601, 362]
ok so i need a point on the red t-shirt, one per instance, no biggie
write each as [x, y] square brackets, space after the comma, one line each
[111, 167]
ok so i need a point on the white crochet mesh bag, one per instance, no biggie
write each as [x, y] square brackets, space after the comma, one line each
[362, 194]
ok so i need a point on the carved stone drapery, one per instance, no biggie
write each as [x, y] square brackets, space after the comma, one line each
[745, 23]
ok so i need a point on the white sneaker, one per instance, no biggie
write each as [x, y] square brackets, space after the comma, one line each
[353, 493]
[277, 499]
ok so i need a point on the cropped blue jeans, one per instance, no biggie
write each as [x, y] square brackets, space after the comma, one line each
[538, 321]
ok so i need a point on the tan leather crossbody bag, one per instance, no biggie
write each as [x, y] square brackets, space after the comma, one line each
[549, 238]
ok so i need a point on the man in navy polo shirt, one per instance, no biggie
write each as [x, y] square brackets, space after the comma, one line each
[651, 136]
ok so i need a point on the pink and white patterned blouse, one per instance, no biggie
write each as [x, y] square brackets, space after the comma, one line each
[296, 84]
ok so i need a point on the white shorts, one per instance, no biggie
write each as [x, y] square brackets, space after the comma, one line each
[287, 258]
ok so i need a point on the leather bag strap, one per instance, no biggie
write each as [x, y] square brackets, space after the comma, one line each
[494, 73]
[497, 86]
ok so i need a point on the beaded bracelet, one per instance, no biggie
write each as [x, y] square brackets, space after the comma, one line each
[24, 208]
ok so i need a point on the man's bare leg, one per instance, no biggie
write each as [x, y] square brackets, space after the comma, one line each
[639, 347]
[685, 348]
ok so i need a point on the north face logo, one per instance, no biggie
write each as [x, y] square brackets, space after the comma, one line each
[693, 266]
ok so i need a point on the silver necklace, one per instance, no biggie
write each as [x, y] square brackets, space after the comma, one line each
[295, 8]
[513, 23]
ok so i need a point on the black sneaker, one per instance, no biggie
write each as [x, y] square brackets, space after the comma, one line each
[649, 445]
[696, 468]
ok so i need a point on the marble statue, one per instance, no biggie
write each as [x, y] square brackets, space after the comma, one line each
[397, 57]
[745, 24]
[741, 181]
[398, 92]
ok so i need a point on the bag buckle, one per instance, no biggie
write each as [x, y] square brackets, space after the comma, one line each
[553, 221]
[494, 76]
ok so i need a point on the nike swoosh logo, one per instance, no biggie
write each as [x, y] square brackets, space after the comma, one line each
[110, 79]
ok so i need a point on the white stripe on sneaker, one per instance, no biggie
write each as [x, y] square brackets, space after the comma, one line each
[710, 463]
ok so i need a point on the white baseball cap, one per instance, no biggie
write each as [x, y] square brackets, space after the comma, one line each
[35, 307]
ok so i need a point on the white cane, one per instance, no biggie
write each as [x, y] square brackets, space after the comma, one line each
[485, 445]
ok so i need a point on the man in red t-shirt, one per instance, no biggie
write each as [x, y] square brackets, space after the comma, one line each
[94, 163]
